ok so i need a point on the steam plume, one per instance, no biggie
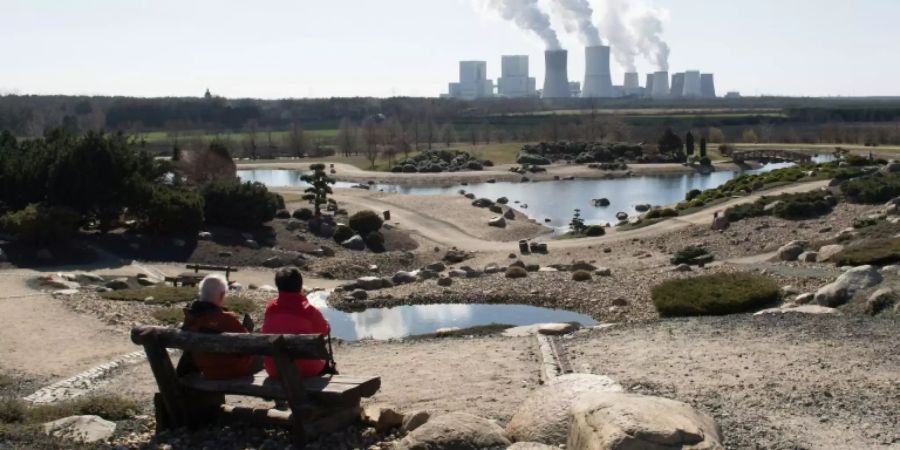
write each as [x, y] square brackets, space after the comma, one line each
[577, 16]
[648, 27]
[528, 16]
[621, 38]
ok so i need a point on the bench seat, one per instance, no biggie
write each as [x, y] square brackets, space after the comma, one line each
[327, 389]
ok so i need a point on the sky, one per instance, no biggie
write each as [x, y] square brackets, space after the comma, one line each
[325, 48]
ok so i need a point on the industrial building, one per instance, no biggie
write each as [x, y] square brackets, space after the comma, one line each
[514, 80]
[597, 76]
[556, 78]
[473, 82]
[677, 89]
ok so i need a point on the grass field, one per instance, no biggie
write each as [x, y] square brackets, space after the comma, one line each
[163, 137]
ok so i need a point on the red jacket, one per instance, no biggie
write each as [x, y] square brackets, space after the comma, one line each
[292, 314]
[206, 317]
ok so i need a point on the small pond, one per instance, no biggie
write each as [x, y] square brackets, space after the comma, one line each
[402, 321]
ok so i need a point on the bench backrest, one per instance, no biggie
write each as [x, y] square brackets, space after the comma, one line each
[198, 267]
[292, 346]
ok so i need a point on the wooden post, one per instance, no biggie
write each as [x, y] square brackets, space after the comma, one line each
[166, 380]
[293, 389]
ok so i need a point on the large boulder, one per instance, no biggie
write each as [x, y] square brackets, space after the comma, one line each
[498, 222]
[403, 277]
[530, 446]
[790, 251]
[544, 416]
[355, 243]
[847, 285]
[118, 284]
[617, 421]
[455, 256]
[455, 431]
[383, 417]
[826, 252]
[880, 300]
[720, 223]
[371, 283]
[86, 429]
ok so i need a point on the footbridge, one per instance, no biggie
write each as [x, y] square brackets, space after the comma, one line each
[740, 156]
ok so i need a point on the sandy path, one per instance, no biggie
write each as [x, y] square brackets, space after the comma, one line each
[40, 337]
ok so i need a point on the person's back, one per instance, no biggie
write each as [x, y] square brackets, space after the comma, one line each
[291, 313]
[207, 315]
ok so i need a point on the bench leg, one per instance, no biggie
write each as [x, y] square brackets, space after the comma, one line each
[163, 420]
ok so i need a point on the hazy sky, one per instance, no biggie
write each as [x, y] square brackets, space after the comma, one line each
[320, 48]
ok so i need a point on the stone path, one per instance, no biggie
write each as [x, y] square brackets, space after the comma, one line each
[84, 382]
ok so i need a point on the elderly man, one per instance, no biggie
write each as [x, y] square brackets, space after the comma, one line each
[208, 315]
[291, 313]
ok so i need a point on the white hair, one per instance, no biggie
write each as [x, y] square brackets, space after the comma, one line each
[212, 288]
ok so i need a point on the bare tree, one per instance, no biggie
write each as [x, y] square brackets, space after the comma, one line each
[448, 134]
[347, 137]
[473, 135]
[414, 129]
[372, 135]
[251, 147]
[296, 141]
[394, 139]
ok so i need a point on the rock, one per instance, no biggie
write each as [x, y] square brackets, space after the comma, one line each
[502, 200]
[847, 285]
[642, 208]
[548, 270]
[603, 271]
[402, 277]
[804, 298]
[455, 256]
[530, 446]
[383, 417]
[426, 274]
[544, 416]
[789, 290]
[444, 281]
[617, 421]
[355, 243]
[799, 309]
[146, 282]
[204, 236]
[492, 268]
[293, 225]
[808, 257]
[371, 283]
[828, 251]
[273, 262]
[498, 222]
[509, 214]
[414, 420]
[601, 202]
[720, 223]
[86, 429]
[880, 300]
[455, 431]
[359, 294]
[56, 283]
[470, 272]
[482, 203]
[102, 289]
[622, 216]
[457, 273]
[532, 267]
[496, 209]
[250, 243]
[891, 270]
[582, 265]
[267, 288]
[771, 206]
[682, 268]
[118, 284]
[436, 267]
[789, 252]
[558, 329]
[64, 292]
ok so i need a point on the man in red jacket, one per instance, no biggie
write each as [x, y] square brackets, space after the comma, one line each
[291, 313]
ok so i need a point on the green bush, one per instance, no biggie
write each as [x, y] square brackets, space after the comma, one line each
[716, 294]
[581, 275]
[516, 272]
[872, 190]
[692, 194]
[342, 233]
[41, 225]
[691, 255]
[661, 213]
[804, 205]
[162, 295]
[108, 406]
[169, 211]
[365, 222]
[375, 239]
[594, 231]
[876, 252]
[240, 205]
[303, 214]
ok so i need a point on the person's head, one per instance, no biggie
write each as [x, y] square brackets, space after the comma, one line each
[289, 279]
[213, 289]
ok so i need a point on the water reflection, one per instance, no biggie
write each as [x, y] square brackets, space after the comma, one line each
[389, 323]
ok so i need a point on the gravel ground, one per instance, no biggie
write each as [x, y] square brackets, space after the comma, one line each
[772, 382]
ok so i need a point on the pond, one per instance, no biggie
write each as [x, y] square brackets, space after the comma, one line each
[554, 200]
[402, 321]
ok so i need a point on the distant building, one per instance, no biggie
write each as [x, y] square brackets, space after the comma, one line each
[473, 82]
[574, 89]
[514, 81]
[733, 94]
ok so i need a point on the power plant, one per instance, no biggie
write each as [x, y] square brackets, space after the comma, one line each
[515, 80]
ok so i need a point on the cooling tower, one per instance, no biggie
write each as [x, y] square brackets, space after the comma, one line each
[556, 78]
[677, 85]
[632, 84]
[597, 78]
[691, 84]
[648, 88]
[707, 85]
[660, 85]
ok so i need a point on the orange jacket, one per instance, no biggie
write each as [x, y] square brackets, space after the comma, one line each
[205, 317]
[292, 314]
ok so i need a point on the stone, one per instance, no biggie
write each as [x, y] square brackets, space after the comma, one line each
[618, 421]
[57, 283]
[603, 271]
[544, 416]
[601, 202]
[250, 243]
[85, 429]
[204, 236]
[879, 301]
[509, 214]
[682, 268]
[530, 446]
[359, 294]
[455, 431]
[496, 209]
[414, 420]
[427, 275]
[370, 283]
[789, 290]
[789, 252]
[620, 216]
[118, 284]
[558, 329]
[436, 267]
[383, 417]
[455, 256]
[64, 292]
[498, 222]
[273, 262]
[266, 288]
[492, 268]
[470, 271]
[847, 285]
[146, 282]
[805, 298]
[355, 243]
[808, 257]
[482, 203]
[444, 281]
[403, 277]
[771, 206]
[799, 309]
[642, 208]
[456, 273]
[720, 223]
[293, 225]
[582, 265]
[828, 251]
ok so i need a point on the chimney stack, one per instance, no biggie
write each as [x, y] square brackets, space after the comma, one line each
[660, 85]
[691, 84]
[677, 85]
[632, 83]
[597, 77]
[707, 85]
[556, 78]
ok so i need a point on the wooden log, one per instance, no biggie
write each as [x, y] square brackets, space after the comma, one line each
[292, 383]
[294, 346]
[169, 389]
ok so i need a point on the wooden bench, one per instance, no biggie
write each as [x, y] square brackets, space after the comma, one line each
[194, 278]
[317, 405]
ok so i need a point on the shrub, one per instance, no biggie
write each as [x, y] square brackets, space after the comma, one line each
[240, 205]
[872, 190]
[303, 214]
[692, 194]
[716, 294]
[661, 213]
[162, 295]
[170, 211]
[581, 275]
[365, 222]
[594, 231]
[342, 233]
[691, 255]
[283, 214]
[107, 406]
[171, 316]
[375, 240]
[705, 161]
[876, 252]
[516, 272]
[40, 224]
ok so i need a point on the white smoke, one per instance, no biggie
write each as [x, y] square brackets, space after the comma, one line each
[527, 15]
[578, 17]
[620, 36]
[648, 29]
